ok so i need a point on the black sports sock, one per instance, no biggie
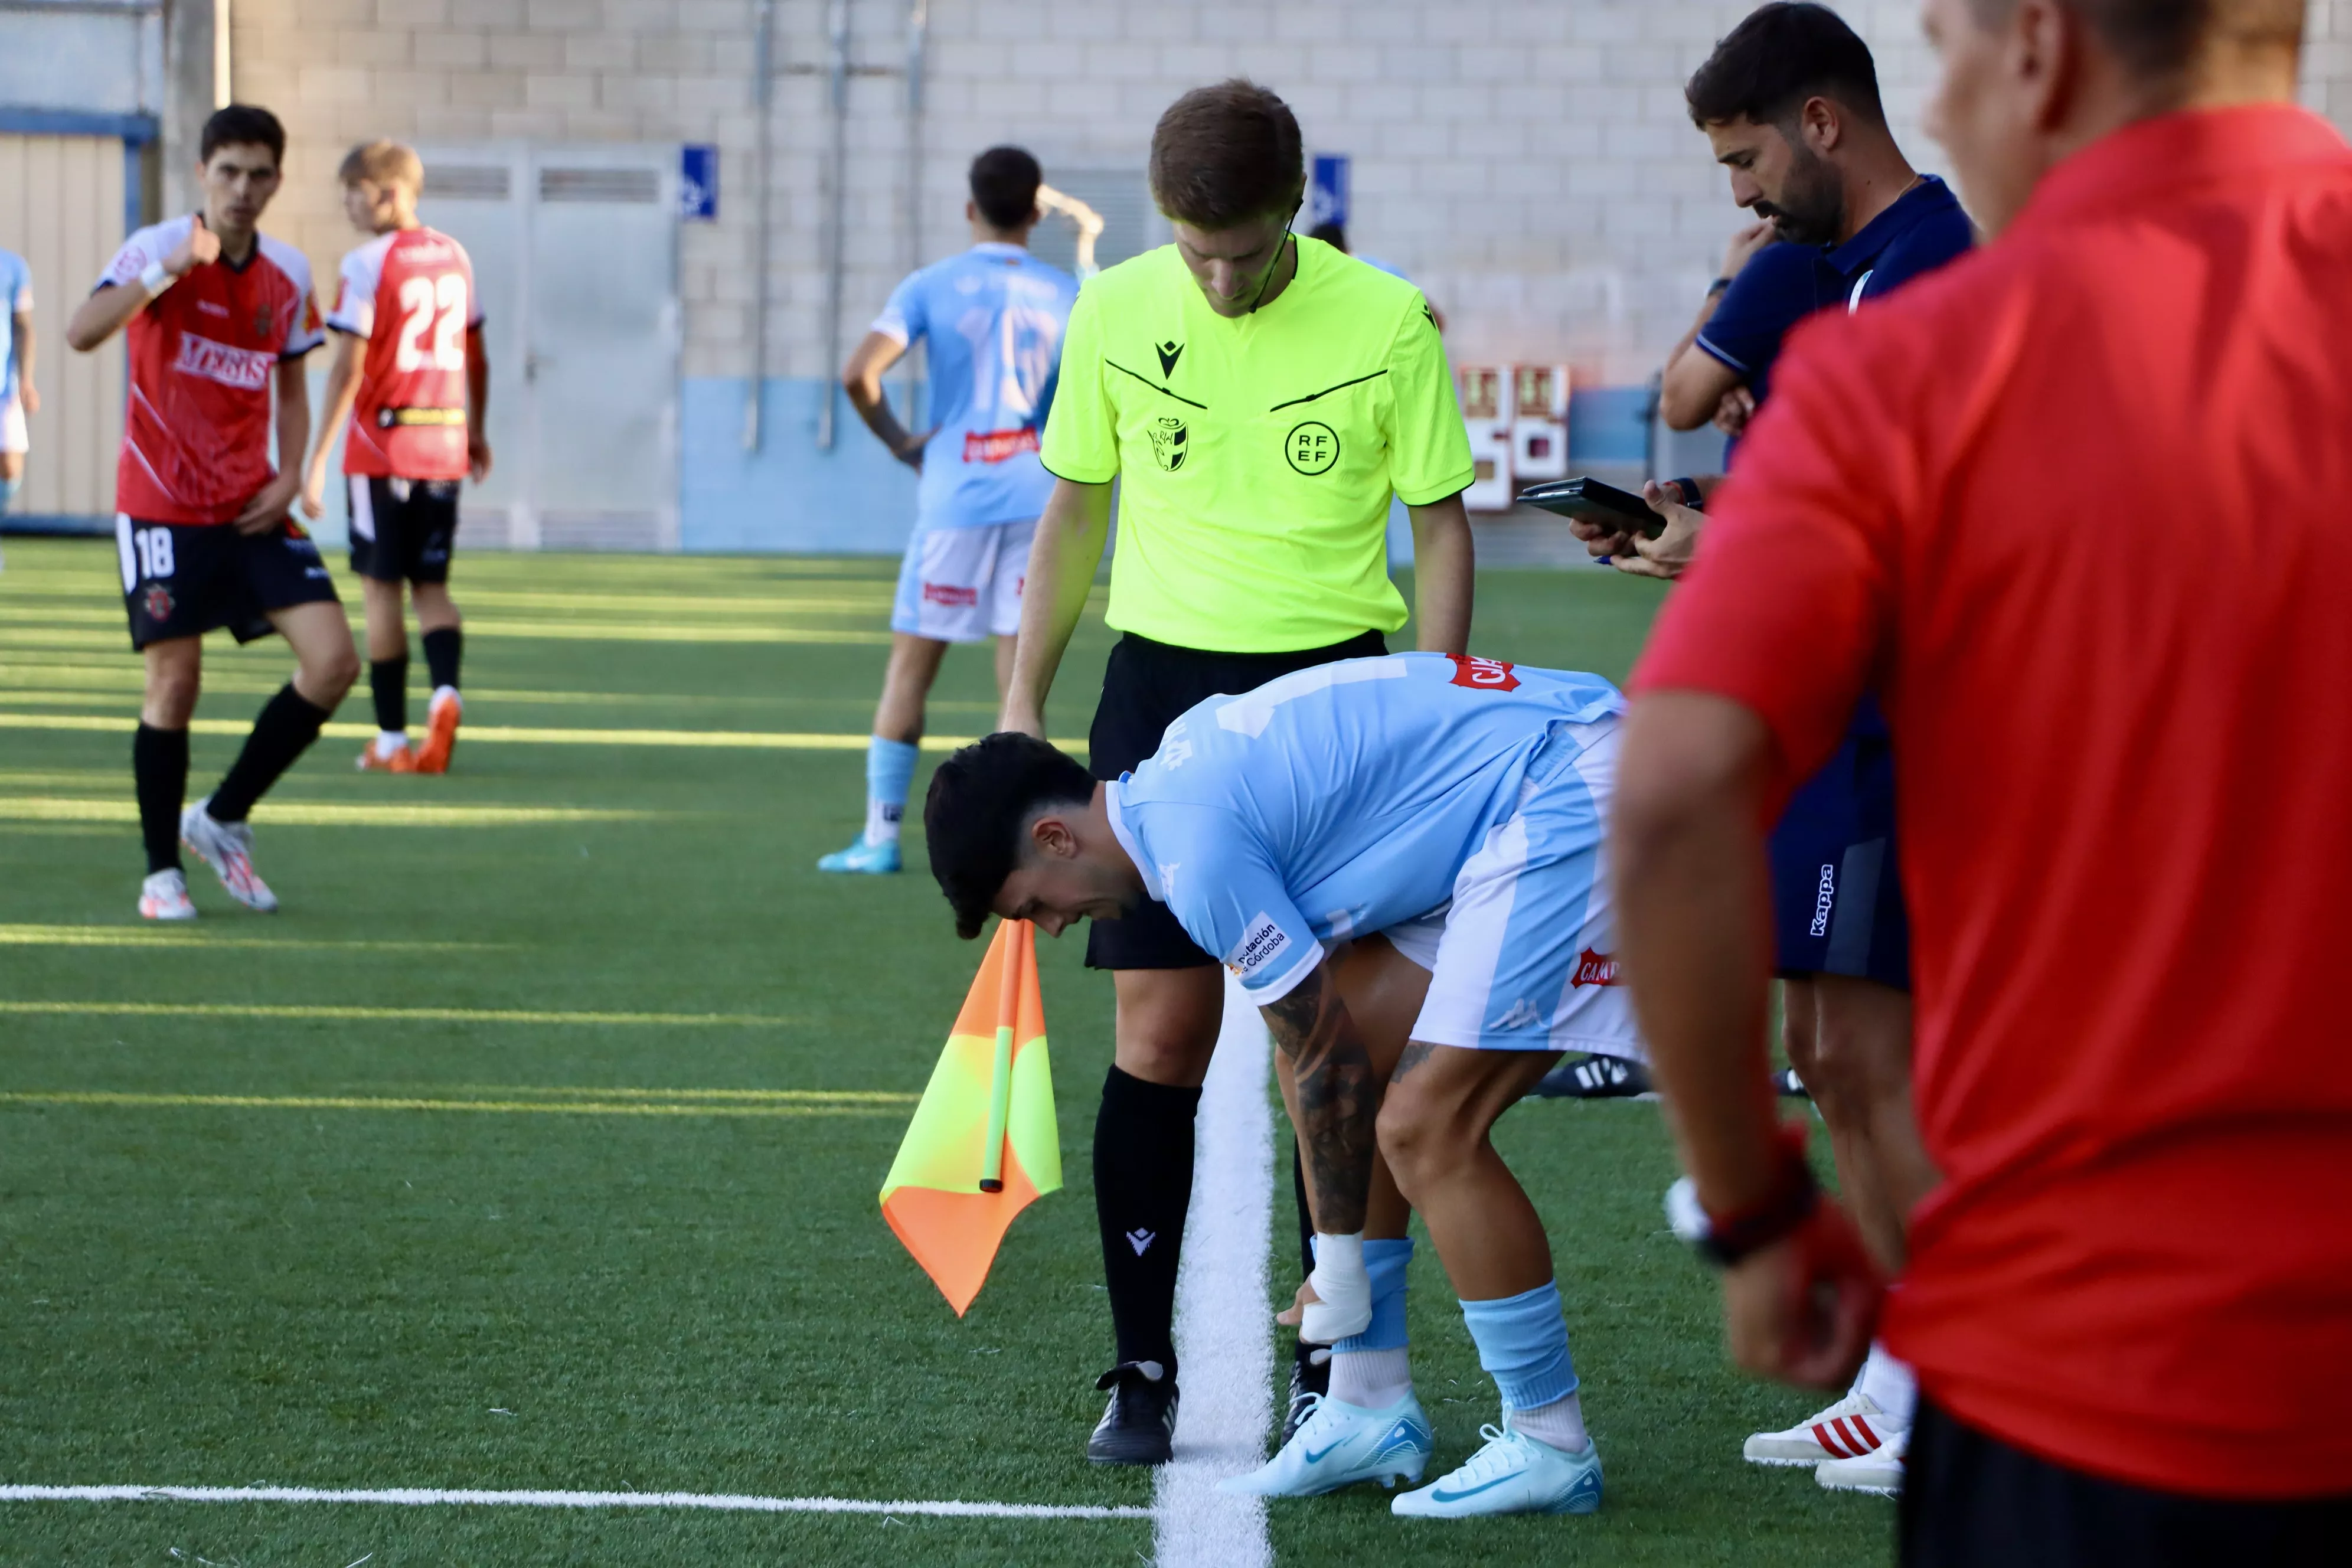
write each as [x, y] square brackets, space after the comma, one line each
[442, 649]
[1143, 1184]
[388, 681]
[159, 768]
[1306, 1214]
[288, 723]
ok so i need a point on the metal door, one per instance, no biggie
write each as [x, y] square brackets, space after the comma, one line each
[575, 258]
[61, 208]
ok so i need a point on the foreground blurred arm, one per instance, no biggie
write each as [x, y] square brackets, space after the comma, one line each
[1071, 534]
[1692, 888]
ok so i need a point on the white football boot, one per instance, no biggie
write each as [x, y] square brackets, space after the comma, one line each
[164, 896]
[227, 848]
[1338, 1445]
[1514, 1473]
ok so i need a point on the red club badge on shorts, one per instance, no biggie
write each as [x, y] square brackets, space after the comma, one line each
[1595, 969]
[1483, 674]
[158, 602]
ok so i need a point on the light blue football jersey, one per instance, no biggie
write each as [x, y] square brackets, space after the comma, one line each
[16, 297]
[1339, 800]
[993, 320]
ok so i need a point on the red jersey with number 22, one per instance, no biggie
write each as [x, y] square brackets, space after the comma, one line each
[196, 430]
[410, 295]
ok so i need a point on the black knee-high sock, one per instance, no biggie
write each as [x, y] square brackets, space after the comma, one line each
[442, 649]
[388, 683]
[288, 724]
[1143, 1184]
[159, 768]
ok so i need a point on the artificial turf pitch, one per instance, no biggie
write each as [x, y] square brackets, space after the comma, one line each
[536, 1143]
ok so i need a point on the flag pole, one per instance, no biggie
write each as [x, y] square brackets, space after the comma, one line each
[1000, 1089]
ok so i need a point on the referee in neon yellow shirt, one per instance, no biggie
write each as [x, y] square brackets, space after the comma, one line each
[1261, 395]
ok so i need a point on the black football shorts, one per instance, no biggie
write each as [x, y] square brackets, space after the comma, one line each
[184, 579]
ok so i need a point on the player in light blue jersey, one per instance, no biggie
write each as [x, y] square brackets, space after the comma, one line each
[1399, 860]
[992, 322]
[17, 395]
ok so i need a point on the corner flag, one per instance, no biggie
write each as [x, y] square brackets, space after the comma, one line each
[983, 1144]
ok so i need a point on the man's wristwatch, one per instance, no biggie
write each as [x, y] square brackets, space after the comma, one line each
[1717, 286]
[1691, 495]
[1727, 1239]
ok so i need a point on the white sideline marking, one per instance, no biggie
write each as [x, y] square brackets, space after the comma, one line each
[1224, 1332]
[424, 1496]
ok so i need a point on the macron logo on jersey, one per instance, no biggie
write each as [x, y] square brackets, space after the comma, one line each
[1262, 942]
[247, 370]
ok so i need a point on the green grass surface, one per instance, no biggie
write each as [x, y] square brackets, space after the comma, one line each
[201, 1294]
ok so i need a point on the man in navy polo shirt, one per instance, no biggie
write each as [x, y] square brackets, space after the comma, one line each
[1790, 102]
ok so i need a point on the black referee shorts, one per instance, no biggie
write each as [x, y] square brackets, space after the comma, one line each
[1970, 1501]
[1147, 687]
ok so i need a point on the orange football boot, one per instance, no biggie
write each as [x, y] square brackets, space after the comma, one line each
[403, 761]
[440, 732]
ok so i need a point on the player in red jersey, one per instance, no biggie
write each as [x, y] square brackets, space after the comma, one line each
[217, 316]
[410, 369]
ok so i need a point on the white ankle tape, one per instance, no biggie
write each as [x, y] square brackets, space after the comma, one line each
[1343, 1290]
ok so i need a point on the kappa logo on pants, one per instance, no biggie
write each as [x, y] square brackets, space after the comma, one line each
[1139, 1240]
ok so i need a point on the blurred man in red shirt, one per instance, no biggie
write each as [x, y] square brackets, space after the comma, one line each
[2085, 533]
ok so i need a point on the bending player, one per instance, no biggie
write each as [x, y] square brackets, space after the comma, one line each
[416, 393]
[218, 316]
[992, 319]
[1443, 815]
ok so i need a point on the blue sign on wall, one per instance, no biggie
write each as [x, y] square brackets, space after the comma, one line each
[697, 186]
[1326, 192]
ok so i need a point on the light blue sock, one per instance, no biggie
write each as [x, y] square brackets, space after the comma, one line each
[1385, 1261]
[889, 773]
[1523, 1345]
[9, 488]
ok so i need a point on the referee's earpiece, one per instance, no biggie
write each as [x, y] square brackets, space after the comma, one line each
[1267, 282]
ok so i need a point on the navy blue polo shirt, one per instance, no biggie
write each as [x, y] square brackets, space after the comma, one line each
[1782, 284]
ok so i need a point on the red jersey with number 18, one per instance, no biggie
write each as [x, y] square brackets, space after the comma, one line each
[196, 430]
[409, 419]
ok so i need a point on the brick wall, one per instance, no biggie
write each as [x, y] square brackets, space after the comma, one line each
[1528, 161]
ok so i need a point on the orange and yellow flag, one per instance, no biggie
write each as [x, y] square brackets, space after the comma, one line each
[983, 1144]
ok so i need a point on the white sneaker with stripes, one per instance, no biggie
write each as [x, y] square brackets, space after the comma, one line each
[1879, 1471]
[1852, 1428]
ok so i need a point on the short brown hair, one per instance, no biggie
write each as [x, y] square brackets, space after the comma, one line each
[1225, 154]
[2164, 38]
[383, 164]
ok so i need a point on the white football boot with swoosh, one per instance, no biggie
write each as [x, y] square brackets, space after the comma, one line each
[1338, 1445]
[1514, 1473]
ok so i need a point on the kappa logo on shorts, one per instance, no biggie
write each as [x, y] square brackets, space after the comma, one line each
[1594, 968]
[1483, 674]
[1262, 942]
[1824, 900]
[1522, 1015]
[158, 602]
[948, 593]
[1168, 434]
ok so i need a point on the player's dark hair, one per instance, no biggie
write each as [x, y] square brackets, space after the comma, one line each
[1781, 55]
[1331, 234]
[982, 800]
[1004, 182]
[1225, 154]
[242, 125]
[2158, 39]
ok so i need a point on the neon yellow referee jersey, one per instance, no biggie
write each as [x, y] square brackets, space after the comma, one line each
[1257, 455]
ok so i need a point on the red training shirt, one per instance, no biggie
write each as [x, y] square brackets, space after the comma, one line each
[408, 420]
[195, 431]
[2079, 505]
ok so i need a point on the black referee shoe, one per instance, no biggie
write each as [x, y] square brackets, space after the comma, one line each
[1139, 1426]
[1308, 1377]
[1596, 1077]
